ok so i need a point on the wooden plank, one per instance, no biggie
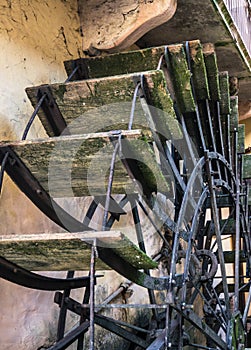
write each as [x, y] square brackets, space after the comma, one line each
[212, 71]
[224, 93]
[79, 165]
[105, 104]
[199, 73]
[161, 106]
[69, 251]
[246, 166]
[93, 105]
[181, 76]
[234, 118]
[115, 64]
[241, 139]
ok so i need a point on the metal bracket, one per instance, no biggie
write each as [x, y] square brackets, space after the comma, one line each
[52, 112]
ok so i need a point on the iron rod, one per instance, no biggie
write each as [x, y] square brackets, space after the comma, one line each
[92, 295]
[110, 181]
[32, 118]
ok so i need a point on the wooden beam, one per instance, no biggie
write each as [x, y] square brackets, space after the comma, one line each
[103, 104]
[69, 251]
[115, 64]
[79, 165]
[181, 76]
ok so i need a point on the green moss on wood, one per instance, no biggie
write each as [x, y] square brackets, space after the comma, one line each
[212, 71]
[199, 74]
[116, 64]
[241, 138]
[181, 78]
[224, 93]
[165, 118]
[246, 166]
[66, 251]
[80, 165]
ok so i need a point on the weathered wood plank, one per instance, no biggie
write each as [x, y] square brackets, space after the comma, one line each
[161, 106]
[246, 166]
[105, 104]
[115, 64]
[69, 251]
[212, 71]
[224, 93]
[241, 138]
[198, 67]
[181, 76]
[79, 165]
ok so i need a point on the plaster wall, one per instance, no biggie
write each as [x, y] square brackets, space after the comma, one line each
[247, 123]
[35, 38]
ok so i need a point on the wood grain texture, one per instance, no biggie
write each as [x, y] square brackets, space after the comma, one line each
[115, 64]
[105, 104]
[69, 251]
[181, 78]
[79, 165]
[210, 60]
[224, 93]
[198, 68]
[246, 166]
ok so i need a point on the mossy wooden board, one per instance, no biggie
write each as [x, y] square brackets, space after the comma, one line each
[210, 60]
[105, 104]
[241, 138]
[181, 76]
[224, 93]
[79, 165]
[246, 166]
[199, 73]
[69, 251]
[115, 64]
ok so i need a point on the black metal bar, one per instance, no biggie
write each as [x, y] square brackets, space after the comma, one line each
[32, 118]
[109, 324]
[110, 181]
[197, 322]
[63, 309]
[141, 245]
[4, 161]
[27, 183]
[133, 106]
[92, 296]
[237, 225]
[83, 317]
[217, 231]
[72, 74]
[71, 337]
[90, 212]
[16, 274]
[152, 222]
[52, 112]
[113, 217]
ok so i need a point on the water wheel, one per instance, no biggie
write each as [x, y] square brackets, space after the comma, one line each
[152, 138]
